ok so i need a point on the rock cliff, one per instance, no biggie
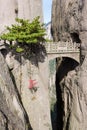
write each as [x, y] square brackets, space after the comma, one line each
[27, 9]
[69, 23]
[12, 113]
[22, 108]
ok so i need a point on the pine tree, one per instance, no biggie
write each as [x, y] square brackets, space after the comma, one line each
[25, 33]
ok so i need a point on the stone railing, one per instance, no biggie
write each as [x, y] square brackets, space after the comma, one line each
[60, 47]
[55, 47]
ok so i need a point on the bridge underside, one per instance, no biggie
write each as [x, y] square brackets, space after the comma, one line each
[75, 56]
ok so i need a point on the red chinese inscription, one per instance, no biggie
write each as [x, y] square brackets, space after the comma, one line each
[32, 83]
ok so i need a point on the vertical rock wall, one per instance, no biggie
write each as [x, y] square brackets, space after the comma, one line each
[36, 103]
[12, 114]
[69, 22]
[7, 13]
[68, 17]
[27, 9]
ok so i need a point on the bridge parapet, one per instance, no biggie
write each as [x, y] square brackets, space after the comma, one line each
[60, 47]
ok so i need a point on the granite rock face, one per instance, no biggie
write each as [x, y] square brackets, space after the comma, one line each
[27, 9]
[74, 96]
[69, 20]
[69, 23]
[36, 103]
[12, 113]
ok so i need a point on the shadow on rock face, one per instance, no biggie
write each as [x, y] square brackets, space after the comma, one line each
[66, 65]
[34, 52]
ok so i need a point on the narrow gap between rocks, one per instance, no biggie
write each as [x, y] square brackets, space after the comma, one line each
[66, 65]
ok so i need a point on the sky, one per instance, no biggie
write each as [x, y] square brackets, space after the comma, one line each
[47, 5]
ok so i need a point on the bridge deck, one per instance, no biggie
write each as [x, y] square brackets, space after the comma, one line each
[63, 49]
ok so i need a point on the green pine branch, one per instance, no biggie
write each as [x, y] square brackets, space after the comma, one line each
[25, 32]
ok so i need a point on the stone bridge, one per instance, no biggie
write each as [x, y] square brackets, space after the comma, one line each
[63, 49]
[59, 49]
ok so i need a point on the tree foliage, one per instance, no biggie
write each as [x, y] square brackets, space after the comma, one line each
[24, 33]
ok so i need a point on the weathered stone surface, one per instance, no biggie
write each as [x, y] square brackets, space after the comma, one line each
[27, 9]
[68, 17]
[7, 13]
[74, 93]
[3, 122]
[36, 104]
[12, 113]
[69, 22]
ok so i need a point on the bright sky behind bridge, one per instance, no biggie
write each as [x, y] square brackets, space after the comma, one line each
[47, 5]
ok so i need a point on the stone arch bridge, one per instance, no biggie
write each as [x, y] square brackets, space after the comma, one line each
[63, 49]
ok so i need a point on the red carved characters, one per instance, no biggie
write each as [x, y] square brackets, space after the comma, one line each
[32, 84]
